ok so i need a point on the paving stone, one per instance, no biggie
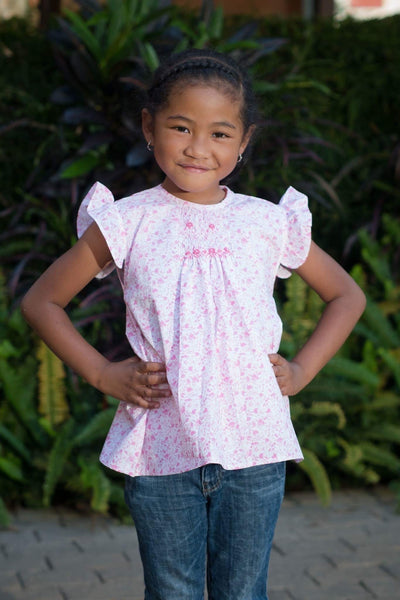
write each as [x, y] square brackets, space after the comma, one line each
[349, 551]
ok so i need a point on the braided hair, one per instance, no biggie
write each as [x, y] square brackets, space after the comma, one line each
[208, 67]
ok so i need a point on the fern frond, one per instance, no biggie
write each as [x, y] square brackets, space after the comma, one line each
[369, 357]
[353, 371]
[384, 400]
[96, 429]
[371, 476]
[52, 402]
[57, 459]
[386, 432]
[322, 409]
[296, 313]
[353, 456]
[391, 358]
[380, 325]
[380, 457]
[318, 476]
[334, 389]
[353, 463]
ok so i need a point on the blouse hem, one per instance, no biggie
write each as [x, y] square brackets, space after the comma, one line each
[296, 458]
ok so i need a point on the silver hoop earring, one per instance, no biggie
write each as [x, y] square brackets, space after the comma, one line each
[149, 146]
[240, 158]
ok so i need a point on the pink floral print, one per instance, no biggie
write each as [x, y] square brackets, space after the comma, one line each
[198, 285]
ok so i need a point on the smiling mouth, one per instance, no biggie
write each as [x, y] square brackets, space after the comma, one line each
[194, 168]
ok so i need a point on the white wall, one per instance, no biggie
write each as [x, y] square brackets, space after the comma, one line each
[13, 8]
[344, 8]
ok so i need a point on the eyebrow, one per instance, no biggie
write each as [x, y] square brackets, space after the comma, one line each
[215, 124]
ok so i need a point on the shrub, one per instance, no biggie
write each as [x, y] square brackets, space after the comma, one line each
[322, 134]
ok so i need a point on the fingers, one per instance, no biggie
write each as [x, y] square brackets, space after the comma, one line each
[136, 382]
[279, 364]
[152, 375]
[281, 368]
[289, 375]
[152, 384]
[145, 367]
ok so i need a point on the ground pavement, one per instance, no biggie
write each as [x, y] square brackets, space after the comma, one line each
[350, 551]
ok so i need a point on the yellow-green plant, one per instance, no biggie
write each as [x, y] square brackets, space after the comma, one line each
[49, 433]
[52, 393]
[348, 418]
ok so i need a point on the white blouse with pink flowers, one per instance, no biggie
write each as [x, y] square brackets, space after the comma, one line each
[198, 286]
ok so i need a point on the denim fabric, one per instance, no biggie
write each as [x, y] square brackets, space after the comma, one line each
[207, 516]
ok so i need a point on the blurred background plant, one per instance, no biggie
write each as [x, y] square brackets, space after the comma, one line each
[69, 108]
[348, 416]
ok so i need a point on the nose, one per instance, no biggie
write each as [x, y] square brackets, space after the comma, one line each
[197, 147]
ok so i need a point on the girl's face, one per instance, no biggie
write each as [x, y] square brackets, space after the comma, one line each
[197, 139]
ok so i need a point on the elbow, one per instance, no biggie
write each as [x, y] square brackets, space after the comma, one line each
[26, 308]
[30, 308]
[358, 300]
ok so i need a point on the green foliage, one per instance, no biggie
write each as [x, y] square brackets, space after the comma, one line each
[28, 119]
[93, 478]
[329, 130]
[360, 386]
[37, 458]
[57, 459]
[318, 476]
[51, 374]
[327, 102]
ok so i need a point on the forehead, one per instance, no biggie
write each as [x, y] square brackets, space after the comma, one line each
[206, 99]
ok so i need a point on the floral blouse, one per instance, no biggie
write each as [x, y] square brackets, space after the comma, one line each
[198, 286]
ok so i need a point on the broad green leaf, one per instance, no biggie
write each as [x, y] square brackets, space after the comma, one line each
[216, 23]
[7, 350]
[96, 429]
[12, 470]
[15, 443]
[83, 32]
[80, 167]
[150, 56]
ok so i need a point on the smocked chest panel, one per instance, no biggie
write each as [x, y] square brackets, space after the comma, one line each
[198, 284]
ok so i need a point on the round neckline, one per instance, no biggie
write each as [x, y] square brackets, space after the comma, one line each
[197, 205]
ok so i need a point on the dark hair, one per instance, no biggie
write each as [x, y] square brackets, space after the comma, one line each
[209, 67]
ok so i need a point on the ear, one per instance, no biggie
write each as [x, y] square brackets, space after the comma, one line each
[147, 125]
[246, 138]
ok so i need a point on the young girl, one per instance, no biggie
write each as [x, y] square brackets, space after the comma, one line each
[203, 429]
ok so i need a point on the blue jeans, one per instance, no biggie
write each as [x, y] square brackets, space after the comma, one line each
[207, 516]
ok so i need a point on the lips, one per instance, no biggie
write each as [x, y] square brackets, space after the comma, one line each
[194, 168]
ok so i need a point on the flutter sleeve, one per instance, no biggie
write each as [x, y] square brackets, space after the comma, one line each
[98, 206]
[298, 238]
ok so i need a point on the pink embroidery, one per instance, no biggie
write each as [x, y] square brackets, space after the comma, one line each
[212, 320]
[197, 252]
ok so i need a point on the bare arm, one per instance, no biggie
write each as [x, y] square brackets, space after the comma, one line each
[43, 307]
[345, 303]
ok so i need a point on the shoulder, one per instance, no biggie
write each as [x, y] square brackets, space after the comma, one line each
[260, 207]
[292, 203]
[139, 200]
